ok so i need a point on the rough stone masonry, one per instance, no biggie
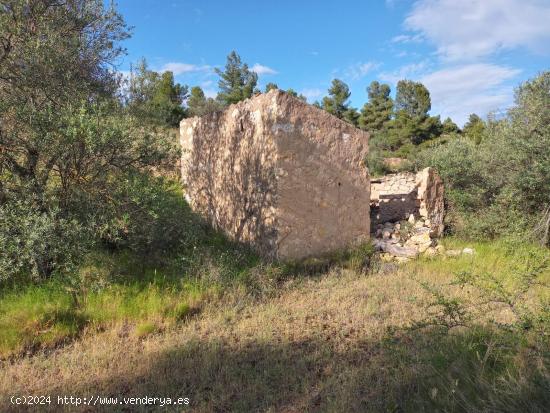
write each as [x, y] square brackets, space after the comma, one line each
[407, 212]
[279, 174]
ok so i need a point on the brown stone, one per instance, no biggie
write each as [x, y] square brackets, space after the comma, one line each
[279, 174]
[430, 193]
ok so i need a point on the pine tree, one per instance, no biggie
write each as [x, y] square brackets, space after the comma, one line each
[474, 128]
[449, 127]
[352, 116]
[413, 98]
[292, 92]
[156, 97]
[199, 105]
[236, 82]
[196, 101]
[271, 86]
[337, 102]
[378, 111]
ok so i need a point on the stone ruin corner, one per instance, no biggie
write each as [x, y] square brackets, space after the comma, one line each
[281, 175]
[407, 213]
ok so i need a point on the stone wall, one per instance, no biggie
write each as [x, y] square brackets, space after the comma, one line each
[279, 174]
[395, 197]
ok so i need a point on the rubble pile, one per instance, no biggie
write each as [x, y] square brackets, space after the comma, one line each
[407, 239]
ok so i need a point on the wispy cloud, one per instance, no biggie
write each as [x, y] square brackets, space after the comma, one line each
[263, 70]
[410, 71]
[179, 68]
[479, 87]
[408, 38]
[311, 94]
[360, 70]
[467, 36]
[475, 28]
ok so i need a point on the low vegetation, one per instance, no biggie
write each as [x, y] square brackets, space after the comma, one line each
[422, 336]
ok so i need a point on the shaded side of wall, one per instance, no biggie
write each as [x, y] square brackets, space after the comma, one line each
[229, 173]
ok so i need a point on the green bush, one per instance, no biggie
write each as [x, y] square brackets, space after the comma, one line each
[36, 243]
[500, 185]
[151, 217]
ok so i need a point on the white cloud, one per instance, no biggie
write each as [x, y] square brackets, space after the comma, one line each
[412, 70]
[263, 70]
[180, 68]
[210, 92]
[359, 70]
[479, 87]
[408, 38]
[311, 94]
[469, 29]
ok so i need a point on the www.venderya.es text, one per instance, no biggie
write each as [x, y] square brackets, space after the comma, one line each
[95, 400]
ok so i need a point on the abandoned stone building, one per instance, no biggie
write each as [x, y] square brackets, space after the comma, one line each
[284, 176]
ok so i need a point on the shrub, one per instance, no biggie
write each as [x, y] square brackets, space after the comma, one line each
[500, 185]
[37, 243]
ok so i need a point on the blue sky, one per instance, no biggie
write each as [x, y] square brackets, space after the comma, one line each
[469, 53]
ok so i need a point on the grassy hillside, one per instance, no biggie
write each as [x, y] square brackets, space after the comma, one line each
[415, 337]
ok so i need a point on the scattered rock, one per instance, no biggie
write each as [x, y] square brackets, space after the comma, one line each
[468, 251]
[419, 224]
[431, 252]
[400, 246]
[423, 247]
[399, 251]
[440, 249]
[453, 253]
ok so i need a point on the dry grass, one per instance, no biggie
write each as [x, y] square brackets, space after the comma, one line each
[334, 343]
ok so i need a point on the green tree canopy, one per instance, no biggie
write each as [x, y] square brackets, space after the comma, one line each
[270, 86]
[236, 82]
[474, 128]
[337, 102]
[352, 116]
[156, 97]
[449, 127]
[412, 98]
[196, 101]
[198, 104]
[292, 92]
[66, 142]
[378, 111]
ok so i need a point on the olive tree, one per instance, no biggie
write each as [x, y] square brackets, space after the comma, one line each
[65, 139]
